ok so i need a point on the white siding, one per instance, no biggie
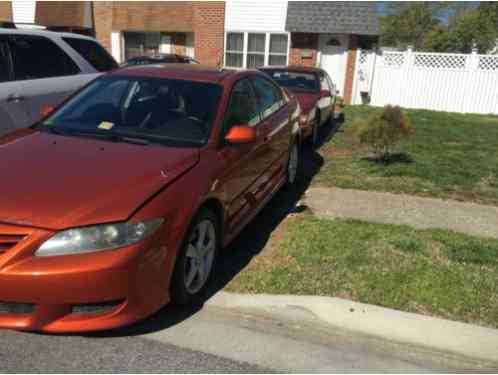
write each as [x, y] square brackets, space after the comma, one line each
[255, 15]
[23, 11]
[117, 46]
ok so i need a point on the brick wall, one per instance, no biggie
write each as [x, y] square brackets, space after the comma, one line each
[209, 29]
[303, 49]
[350, 67]
[63, 13]
[5, 11]
[153, 16]
[102, 16]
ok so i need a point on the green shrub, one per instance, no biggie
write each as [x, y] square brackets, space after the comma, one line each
[383, 130]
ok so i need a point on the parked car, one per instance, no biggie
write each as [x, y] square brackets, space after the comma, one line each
[168, 58]
[131, 187]
[39, 67]
[315, 91]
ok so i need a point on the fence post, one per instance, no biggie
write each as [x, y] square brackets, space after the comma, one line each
[473, 62]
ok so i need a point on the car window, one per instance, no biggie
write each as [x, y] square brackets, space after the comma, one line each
[93, 53]
[179, 112]
[269, 96]
[38, 57]
[4, 62]
[242, 108]
[298, 81]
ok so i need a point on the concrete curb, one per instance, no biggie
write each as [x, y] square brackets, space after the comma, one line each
[444, 335]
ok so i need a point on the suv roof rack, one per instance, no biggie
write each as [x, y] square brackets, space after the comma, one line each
[7, 25]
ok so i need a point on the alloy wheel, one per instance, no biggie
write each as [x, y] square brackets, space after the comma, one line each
[199, 256]
[293, 165]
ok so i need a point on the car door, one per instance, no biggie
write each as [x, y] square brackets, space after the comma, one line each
[325, 103]
[48, 75]
[240, 164]
[275, 130]
[13, 112]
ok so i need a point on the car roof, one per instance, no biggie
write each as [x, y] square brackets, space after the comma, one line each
[43, 32]
[192, 72]
[294, 68]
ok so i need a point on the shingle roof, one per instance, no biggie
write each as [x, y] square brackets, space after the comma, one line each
[340, 17]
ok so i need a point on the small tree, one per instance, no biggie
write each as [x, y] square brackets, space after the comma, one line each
[383, 130]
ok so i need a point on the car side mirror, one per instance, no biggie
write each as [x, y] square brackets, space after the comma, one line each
[325, 93]
[239, 134]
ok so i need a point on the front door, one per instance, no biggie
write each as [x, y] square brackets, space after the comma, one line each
[241, 164]
[334, 57]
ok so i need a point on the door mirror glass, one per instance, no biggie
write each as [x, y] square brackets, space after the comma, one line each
[239, 134]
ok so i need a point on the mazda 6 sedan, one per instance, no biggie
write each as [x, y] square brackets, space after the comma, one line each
[118, 201]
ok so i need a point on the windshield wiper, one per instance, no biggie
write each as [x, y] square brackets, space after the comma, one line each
[95, 134]
[113, 137]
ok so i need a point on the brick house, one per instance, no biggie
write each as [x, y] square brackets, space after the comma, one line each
[231, 33]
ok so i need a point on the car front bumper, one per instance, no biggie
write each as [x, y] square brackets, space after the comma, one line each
[83, 292]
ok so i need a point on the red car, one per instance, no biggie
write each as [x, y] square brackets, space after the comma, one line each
[118, 201]
[314, 90]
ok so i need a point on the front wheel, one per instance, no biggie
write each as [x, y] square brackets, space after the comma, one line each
[195, 263]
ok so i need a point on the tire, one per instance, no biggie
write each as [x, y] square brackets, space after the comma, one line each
[195, 263]
[292, 172]
[316, 130]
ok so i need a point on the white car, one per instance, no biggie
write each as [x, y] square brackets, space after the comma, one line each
[39, 69]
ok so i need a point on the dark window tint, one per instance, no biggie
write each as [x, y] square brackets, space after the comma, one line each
[269, 95]
[242, 109]
[4, 62]
[93, 53]
[38, 57]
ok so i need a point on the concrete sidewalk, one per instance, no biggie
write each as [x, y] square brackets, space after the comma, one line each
[421, 213]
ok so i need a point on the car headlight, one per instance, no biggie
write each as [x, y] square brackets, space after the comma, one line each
[97, 238]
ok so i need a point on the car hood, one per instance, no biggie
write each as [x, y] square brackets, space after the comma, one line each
[55, 182]
[307, 100]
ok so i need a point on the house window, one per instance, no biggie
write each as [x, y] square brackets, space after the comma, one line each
[235, 50]
[278, 49]
[256, 50]
[253, 50]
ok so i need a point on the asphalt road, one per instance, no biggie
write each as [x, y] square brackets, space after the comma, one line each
[23, 352]
[217, 340]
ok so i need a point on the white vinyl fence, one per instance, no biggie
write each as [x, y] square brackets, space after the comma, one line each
[466, 83]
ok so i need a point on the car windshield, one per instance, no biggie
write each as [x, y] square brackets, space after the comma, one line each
[165, 111]
[297, 81]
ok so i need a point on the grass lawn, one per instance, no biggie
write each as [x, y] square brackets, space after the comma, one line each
[450, 155]
[432, 272]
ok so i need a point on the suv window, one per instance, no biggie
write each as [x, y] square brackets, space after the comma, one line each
[269, 95]
[38, 57]
[4, 62]
[242, 108]
[93, 53]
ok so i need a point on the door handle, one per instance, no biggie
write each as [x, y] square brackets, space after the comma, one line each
[15, 98]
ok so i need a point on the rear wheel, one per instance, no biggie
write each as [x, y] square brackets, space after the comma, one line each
[195, 263]
[293, 165]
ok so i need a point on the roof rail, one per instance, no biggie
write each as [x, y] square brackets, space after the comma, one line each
[7, 25]
[28, 25]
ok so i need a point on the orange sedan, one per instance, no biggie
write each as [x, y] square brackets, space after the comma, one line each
[118, 201]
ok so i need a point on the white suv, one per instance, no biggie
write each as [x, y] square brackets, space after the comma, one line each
[41, 68]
